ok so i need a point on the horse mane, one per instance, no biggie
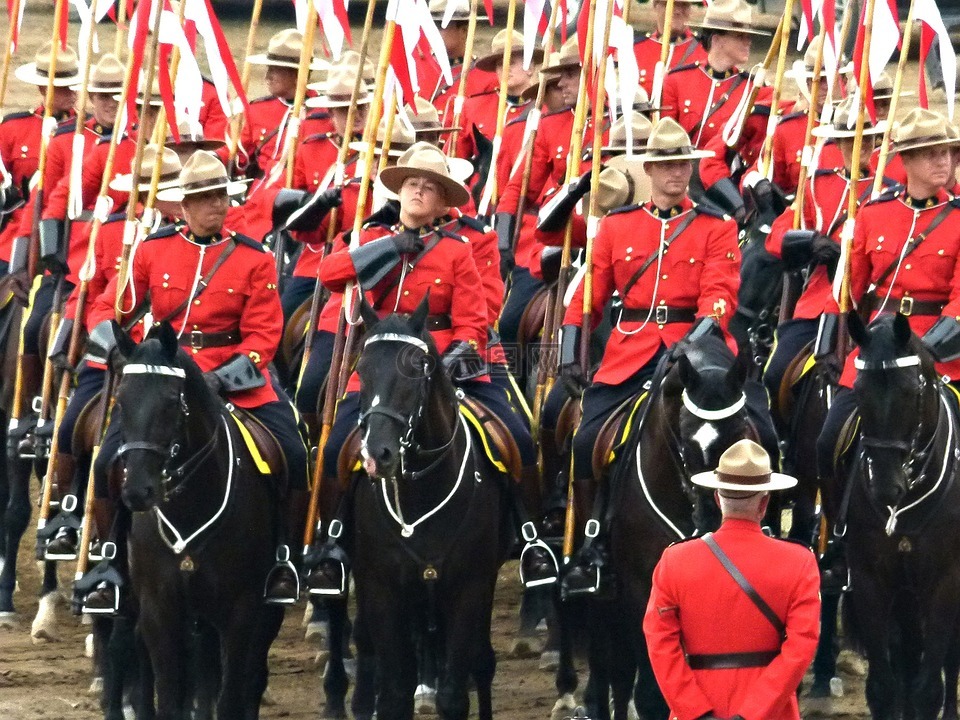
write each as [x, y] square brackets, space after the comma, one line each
[708, 352]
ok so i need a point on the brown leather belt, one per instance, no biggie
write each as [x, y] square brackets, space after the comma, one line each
[435, 322]
[661, 314]
[198, 340]
[906, 306]
[729, 661]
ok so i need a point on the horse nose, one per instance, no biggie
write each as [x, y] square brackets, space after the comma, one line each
[138, 499]
[384, 456]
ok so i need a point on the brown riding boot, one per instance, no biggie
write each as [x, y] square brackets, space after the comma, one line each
[283, 581]
[104, 597]
[31, 380]
[63, 545]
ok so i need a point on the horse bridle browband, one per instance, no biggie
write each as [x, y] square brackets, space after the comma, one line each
[710, 415]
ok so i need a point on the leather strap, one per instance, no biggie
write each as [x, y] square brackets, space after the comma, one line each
[204, 281]
[745, 585]
[395, 281]
[842, 217]
[662, 315]
[906, 306]
[737, 82]
[435, 322]
[200, 340]
[684, 224]
[730, 661]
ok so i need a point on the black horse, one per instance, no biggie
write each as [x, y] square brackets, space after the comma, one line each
[203, 528]
[699, 411]
[430, 524]
[903, 524]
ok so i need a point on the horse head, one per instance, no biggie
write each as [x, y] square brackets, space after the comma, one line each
[399, 378]
[157, 378]
[712, 416]
[897, 395]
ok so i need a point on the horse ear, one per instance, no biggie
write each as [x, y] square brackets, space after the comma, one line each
[856, 328]
[168, 340]
[688, 375]
[901, 329]
[737, 374]
[418, 319]
[124, 343]
[369, 315]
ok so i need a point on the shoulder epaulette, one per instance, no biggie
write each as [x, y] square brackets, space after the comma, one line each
[18, 116]
[820, 172]
[792, 116]
[473, 223]
[452, 235]
[113, 217]
[318, 115]
[891, 193]
[704, 208]
[165, 231]
[645, 36]
[248, 241]
[67, 126]
[792, 541]
[317, 137]
[624, 209]
[685, 540]
[688, 66]
[761, 110]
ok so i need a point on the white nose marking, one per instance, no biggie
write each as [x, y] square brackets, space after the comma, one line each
[705, 436]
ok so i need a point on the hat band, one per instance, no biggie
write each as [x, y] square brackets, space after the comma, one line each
[340, 97]
[219, 181]
[920, 140]
[670, 152]
[164, 177]
[277, 57]
[733, 479]
[45, 72]
[727, 25]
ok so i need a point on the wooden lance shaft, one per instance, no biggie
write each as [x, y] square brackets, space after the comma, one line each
[303, 76]
[734, 137]
[492, 188]
[236, 124]
[660, 71]
[461, 95]
[812, 113]
[766, 154]
[8, 52]
[340, 366]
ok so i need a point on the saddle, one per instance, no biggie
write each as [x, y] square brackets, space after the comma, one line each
[498, 444]
[614, 432]
[796, 370]
[263, 446]
[533, 318]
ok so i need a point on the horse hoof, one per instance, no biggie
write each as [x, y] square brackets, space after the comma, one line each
[9, 621]
[96, 686]
[851, 663]
[564, 707]
[88, 646]
[320, 659]
[549, 660]
[267, 699]
[542, 626]
[307, 614]
[425, 700]
[44, 627]
[316, 632]
[524, 647]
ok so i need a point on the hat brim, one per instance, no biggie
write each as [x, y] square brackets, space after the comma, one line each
[634, 168]
[432, 129]
[194, 145]
[396, 150]
[908, 146]
[531, 92]
[649, 157]
[455, 192]
[888, 94]
[460, 17]
[723, 27]
[122, 183]
[155, 100]
[102, 89]
[568, 64]
[489, 62]
[777, 481]
[832, 132]
[28, 74]
[176, 194]
[262, 59]
[322, 101]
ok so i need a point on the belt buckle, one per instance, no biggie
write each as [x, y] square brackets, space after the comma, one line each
[196, 340]
[660, 314]
[906, 306]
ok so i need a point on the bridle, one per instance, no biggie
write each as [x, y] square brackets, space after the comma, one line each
[408, 443]
[174, 479]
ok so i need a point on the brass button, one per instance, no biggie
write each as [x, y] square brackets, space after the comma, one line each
[663, 277]
[196, 302]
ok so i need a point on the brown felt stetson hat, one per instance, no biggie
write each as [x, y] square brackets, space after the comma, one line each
[548, 78]
[201, 173]
[401, 138]
[734, 16]
[424, 117]
[669, 141]
[155, 99]
[191, 138]
[37, 72]
[338, 89]
[489, 61]
[568, 57]
[617, 188]
[640, 127]
[107, 75]
[461, 10]
[350, 60]
[460, 169]
[919, 129]
[744, 467]
[428, 162]
[284, 50]
[169, 171]
[845, 126]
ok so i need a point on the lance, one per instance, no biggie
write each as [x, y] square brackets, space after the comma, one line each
[8, 52]
[660, 71]
[531, 127]
[734, 127]
[846, 236]
[339, 178]
[87, 272]
[490, 192]
[347, 333]
[766, 154]
[121, 19]
[33, 250]
[461, 95]
[894, 102]
[237, 124]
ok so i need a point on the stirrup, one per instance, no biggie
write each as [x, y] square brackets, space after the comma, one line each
[282, 561]
[592, 589]
[62, 521]
[529, 533]
[102, 573]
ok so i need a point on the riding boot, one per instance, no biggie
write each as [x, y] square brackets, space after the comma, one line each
[100, 588]
[585, 575]
[24, 434]
[326, 568]
[282, 586]
[61, 532]
[538, 565]
[312, 421]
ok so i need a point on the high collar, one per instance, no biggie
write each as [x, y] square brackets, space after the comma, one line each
[669, 212]
[675, 37]
[718, 74]
[190, 236]
[938, 198]
[738, 525]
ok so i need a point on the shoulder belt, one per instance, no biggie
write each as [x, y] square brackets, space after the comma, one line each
[738, 80]
[162, 232]
[248, 241]
[395, 281]
[205, 280]
[473, 223]
[67, 126]
[625, 209]
[17, 116]
[842, 217]
[683, 225]
[691, 46]
[688, 66]
[934, 224]
[745, 585]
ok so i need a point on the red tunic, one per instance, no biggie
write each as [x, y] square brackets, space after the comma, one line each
[107, 252]
[700, 270]
[242, 295]
[693, 91]
[748, 148]
[649, 48]
[212, 119]
[696, 607]
[434, 88]
[480, 112]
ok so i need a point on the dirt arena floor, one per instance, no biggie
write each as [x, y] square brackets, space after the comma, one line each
[51, 680]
